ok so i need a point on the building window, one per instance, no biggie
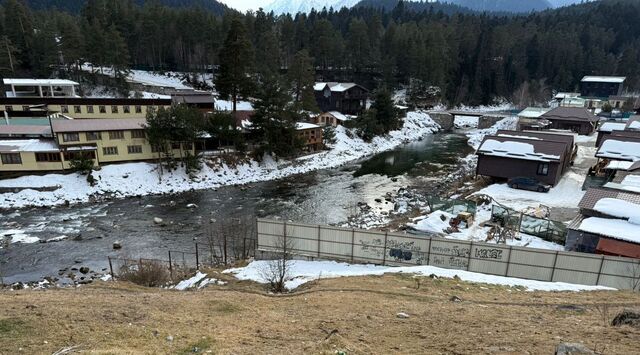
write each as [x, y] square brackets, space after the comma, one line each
[102, 109]
[93, 136]
[175, 146]
[11, 158]
[543, 169]
[116, 135]
[89, 109]
[64, 109]
[71, 137]
[68, 156]
[110, 151]
[26, 108]
[77, 109]
[114, 109]
[134, 149]
[138, 109]
[47, 157]
[126, 109]
[8, 108]
[138, 133]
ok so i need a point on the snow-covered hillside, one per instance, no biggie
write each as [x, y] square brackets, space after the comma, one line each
[295, 6]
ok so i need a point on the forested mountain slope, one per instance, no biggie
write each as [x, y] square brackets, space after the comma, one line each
[472, 57]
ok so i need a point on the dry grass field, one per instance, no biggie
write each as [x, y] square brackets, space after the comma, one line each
[334, 316]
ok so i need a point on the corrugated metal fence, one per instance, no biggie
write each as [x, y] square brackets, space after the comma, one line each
[394, 249]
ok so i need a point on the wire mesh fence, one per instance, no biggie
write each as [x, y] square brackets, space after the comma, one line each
[546, 229]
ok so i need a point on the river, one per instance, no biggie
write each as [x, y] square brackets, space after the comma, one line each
[327, 196]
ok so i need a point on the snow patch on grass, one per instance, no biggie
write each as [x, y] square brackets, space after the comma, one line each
[301, 272]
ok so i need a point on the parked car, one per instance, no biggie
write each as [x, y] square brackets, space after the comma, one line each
[526, 183]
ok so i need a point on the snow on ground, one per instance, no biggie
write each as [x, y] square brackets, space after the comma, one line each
[499, 107]
[199, 280]
[477, 135]
[301, 272]
[134, 179]
[567, 194]
[438, 222]
[466, 121]
[167, 79]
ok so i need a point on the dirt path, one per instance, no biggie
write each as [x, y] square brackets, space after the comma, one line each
[354, 315]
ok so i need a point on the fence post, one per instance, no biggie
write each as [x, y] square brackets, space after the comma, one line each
[244, 248]
[429, 251]
[509, 260]
[384, 250]
[284, 239]
[353, 243]
[469, 257]
[555, 261]
[111, 267]
[197, 258]
[319, 233]
[600, 271]
[170, 265]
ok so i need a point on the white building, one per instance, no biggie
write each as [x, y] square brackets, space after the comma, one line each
[40, 88]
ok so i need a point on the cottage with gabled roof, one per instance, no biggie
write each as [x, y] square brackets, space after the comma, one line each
[510, 154]
[574, 119]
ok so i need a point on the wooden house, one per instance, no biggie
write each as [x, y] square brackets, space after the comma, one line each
[509, 154]
[575, 119]
[347, 98]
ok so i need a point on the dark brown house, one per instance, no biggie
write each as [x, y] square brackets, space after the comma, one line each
[575, 119]
[347, 98]
[509, 154]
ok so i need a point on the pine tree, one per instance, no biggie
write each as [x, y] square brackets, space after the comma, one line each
[236, 65]
[301, 76]
[274, 121]
[328, 135]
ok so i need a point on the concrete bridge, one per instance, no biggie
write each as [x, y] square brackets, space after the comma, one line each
[446, 118]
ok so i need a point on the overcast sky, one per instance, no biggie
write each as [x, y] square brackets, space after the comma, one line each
[244, 5]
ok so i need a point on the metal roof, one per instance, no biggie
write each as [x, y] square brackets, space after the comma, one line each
[97, 125]
[28, 145]
[39, 82]
[578, 114]
[603, 79]
[593, 195]
[25, 130]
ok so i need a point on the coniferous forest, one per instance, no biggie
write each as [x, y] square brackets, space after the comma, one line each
[473, 58]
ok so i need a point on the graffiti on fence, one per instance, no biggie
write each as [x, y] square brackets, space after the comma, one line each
[453, 257]
[488, 253]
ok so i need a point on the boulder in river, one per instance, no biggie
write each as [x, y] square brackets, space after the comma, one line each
[158, 220]
[117, 245]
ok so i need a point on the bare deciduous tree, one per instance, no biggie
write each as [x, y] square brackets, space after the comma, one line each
[276, 271]
[231, 239]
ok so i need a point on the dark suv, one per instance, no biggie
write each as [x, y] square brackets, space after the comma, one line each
[526, 183]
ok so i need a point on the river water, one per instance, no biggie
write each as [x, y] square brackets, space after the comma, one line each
[327, 196]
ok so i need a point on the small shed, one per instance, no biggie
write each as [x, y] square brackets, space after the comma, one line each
[575, 119]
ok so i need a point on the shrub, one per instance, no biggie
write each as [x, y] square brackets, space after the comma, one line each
[147, 273]
[82, 164]
[192, 163]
